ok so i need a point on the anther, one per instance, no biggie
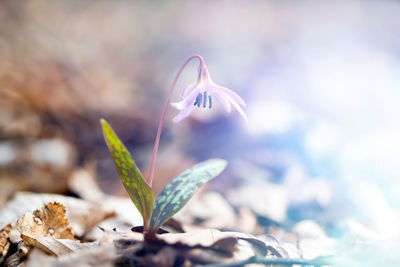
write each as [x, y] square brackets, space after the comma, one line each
[198, 100]
[209, 102]
[205, 99]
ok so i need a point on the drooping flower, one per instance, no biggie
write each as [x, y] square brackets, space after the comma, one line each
[198, 94]
[201, 93]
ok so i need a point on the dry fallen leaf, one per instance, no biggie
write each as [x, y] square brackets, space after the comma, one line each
[166, 256]
[4, 243]
[209, 210]
[263, 198]
[155, 251]
[19, 256]
[48, 229]
[83, 215]
[93, 255]
[205, 246]
[84, 184]
[247, 221]
[48, 221]
[244, 246]
[58, 247]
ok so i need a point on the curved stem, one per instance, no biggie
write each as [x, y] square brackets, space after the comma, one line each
[164, 112]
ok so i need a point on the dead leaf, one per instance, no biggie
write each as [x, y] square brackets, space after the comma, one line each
[13, 261]
[155, 251]
[257, 246]
[308, 229]
[83, 183]
[92, 255]
[210, 210]
[205, 246]
[48, 221]
[164, 258]
[225, 244]
[204, 237]
[247, 221]
[274, 246]
[241, 245]
[264, 198]
[4, 243]
[47, 228]
[18, 257]
[58, 247]
[126, 216]
[129, 236]
[23, 249]
[83, 215]
[203, 257]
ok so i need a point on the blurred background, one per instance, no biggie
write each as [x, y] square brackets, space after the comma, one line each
[320, 78]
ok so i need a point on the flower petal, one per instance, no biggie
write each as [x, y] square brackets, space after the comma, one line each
[187, 90]
[186, 106]
[237, 106]
[222, 99]
[183, 113]
[191, 97]
[179, 105]
[188, 100]
[232, 94]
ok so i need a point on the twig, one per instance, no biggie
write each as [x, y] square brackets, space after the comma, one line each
[322, 261]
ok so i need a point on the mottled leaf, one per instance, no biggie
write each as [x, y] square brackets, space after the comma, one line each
[133, 181]
[178, 192]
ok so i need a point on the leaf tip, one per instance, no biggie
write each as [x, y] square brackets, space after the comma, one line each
[103, 123]
[107, 130]
[221, 162]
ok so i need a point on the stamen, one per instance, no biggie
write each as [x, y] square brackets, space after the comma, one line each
[198, 100]
[209, 102]
[205, 99]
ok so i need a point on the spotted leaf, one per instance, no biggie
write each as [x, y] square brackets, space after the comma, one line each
[133, 181]
[178, 192]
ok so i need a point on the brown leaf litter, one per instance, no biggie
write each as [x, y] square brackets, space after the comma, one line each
[49, 221]
[4, 243]
[95, 255]
[42, 227]
[83, 215]
[208, 246]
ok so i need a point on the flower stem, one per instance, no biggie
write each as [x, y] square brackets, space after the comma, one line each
[164, 112]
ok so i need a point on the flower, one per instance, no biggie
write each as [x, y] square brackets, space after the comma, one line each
[202, 92]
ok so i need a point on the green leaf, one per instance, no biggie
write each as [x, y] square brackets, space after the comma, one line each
[178, 192]
[133, 181]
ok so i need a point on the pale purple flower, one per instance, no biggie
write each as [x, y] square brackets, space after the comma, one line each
[201, 94]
